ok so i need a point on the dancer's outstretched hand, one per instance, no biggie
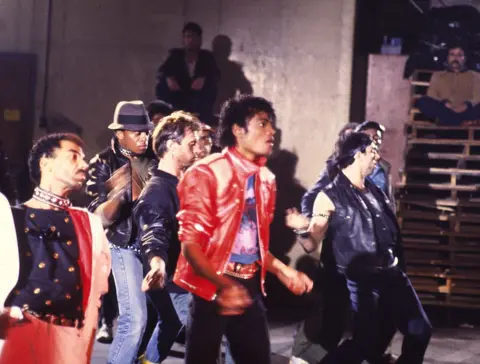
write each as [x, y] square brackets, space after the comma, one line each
[295, 220]
[155, 278]
[297, 282]
[233, 299]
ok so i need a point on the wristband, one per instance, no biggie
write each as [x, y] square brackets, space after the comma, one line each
[304, 234]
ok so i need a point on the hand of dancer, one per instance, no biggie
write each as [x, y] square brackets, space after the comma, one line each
[295, 220]
[233, 299]
[461, 108]
[9, 316]
[119, 183]
[297, 282]
[198, 83]
[155, 278]
[172, 84]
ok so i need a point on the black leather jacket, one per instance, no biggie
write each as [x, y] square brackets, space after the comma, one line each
[351, 229]
[155, 214]
[122, 232]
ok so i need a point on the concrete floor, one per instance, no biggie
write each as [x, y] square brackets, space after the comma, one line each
[448, 346]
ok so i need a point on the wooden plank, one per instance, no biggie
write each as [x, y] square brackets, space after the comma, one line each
[440, 202]
[443, 141]
[430, 125]
[425, 215]
[471, 291]
[464, 264]
[427, 288]
[415, 272]
[451, 304]
[464, 217]
[420, 241]
[440, 233]
[420, 83]
[449, 156]
[449, 171]
[438, 186]
[420, 273]
[438, 247]
[464, 277]
[430, 262]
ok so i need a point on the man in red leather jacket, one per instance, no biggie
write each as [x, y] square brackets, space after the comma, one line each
[227, 201]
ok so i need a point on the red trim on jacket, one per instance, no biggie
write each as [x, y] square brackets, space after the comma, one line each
[81, 223]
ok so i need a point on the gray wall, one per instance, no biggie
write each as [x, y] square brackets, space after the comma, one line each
[296, 53]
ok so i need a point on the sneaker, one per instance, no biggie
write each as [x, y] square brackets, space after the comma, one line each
[389, 358]
[105, 335]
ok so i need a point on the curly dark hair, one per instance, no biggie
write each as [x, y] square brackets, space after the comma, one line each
[159, 107]
[239, 110]
[172, 127]
[346, 150]
[45, 147]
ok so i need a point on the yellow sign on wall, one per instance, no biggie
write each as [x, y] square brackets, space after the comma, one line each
[11, 115]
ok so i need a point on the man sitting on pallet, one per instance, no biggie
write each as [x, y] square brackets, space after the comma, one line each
[454, 94]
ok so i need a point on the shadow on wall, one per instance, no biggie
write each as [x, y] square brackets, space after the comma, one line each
[232, 78]
[59, 123]
[56, 123]
[283, 164]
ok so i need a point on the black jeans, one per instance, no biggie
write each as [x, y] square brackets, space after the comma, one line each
[436, 109]
[379, 300]
[109, 308]
[247, 333]
[325, 325]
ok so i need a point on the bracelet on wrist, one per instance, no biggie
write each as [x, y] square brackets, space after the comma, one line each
[303, 233]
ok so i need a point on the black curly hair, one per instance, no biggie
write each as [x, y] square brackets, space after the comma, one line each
[192, 27]
[45, 147]
[239, 110]
[346, 150]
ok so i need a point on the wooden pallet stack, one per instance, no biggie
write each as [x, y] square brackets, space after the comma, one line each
[439, 211]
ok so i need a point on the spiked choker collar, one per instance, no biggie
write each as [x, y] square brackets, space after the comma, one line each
[51, 199]
[127, 153]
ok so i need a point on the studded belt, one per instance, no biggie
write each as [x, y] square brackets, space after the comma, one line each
[242, 271]
[56, 320]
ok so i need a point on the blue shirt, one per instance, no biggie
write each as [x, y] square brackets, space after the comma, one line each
[379, 179]
[245, 248]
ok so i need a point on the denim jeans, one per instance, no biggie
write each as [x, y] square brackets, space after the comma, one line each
[436, 109]
[128, 274]
[172, 310]
[108, 310]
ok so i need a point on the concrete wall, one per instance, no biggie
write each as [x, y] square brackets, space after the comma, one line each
[386, 83]
[296, 53]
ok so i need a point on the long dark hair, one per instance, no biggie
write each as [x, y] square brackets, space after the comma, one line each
[346, 150]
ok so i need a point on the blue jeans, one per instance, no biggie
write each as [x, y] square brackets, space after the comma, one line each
[172, 310]
[164, 336]
[436, 109]
[128, 274]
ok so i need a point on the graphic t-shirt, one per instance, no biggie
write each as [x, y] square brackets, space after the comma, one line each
[245, 248]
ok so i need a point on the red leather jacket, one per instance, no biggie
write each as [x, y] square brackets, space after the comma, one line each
[211, 207]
